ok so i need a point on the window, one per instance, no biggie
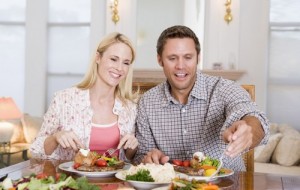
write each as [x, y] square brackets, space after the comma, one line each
[68, 43]
[12, 45]
[283, 104]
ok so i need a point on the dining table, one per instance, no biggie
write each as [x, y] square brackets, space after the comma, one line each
[237, 181]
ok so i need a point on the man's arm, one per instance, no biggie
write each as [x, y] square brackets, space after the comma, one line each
[243, 134]
[257, 130]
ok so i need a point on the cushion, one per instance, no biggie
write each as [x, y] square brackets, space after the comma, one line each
[31, 126]
[287, 152]
[273, 128]
[263, 153]
[285, 129]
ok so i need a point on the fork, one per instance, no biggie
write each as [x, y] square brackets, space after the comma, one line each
[221, 163]
[110, 151]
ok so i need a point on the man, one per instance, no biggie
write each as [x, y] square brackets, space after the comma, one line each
[193, 112]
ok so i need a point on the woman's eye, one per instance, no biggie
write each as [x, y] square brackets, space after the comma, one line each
[113, 59]
[126, 63]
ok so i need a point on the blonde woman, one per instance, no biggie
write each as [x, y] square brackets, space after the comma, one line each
[97, 114]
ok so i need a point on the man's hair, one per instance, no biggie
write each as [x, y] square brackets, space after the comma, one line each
[177, 31]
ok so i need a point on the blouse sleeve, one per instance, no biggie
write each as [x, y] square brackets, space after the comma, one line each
[50, 126]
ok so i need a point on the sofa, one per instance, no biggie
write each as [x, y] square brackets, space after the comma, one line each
[281, 154]
[26, 129]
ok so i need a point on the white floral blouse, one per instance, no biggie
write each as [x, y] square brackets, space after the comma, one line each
[70, 110]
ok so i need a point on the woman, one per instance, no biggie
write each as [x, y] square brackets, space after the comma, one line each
[97, 114]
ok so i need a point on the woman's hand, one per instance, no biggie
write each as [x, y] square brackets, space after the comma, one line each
[68, 139]
[128, 141]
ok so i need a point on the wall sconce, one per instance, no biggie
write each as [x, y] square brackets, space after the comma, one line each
[228, 16]
[8, 110]
[114, 8]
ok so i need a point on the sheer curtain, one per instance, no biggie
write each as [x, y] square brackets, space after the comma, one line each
[283, 104]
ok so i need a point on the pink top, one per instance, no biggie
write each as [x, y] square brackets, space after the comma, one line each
[104, 137]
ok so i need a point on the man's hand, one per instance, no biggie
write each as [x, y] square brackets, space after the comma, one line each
[240, 135]
[155, 156]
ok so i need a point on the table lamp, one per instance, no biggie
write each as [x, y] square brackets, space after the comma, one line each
[8, 111]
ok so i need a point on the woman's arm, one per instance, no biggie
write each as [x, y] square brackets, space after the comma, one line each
[129, 144]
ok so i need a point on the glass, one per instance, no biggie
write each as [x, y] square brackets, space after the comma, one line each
[284, 55]
[69, 49]
[285, 11]
[12, 10]
[70, 11]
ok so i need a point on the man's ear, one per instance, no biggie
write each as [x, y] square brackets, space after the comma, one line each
[159, 60]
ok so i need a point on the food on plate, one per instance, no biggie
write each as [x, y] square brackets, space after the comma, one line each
[151, 173]
[199, 165]
[86, 157]
[90, 161]
[183, 184]
[141, 175]
[44, 182]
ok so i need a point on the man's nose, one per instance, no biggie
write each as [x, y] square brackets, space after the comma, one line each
[179, 64]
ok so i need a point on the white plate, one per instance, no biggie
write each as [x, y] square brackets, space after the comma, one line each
[68, 167]
[139, 184]
[229, 172]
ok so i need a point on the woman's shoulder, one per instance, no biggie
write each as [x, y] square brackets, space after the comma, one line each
[72, 94]
[72, 91]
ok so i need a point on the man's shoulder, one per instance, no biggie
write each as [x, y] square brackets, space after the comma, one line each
[154, 94]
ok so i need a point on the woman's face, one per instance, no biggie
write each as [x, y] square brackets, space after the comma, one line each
[113, 64]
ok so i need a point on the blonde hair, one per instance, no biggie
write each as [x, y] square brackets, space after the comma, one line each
[124, 88]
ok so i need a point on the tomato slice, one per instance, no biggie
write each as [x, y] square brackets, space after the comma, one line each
[101, 163]
[177, 162]
[186, 163]
[41, 176]
[76, 165]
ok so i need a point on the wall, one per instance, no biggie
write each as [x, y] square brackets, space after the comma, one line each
[253, 46]
[246, 37]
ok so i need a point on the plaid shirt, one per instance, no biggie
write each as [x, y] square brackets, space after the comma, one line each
[181, 130]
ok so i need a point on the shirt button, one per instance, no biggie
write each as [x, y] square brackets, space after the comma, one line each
[187, 152]
[184, 131]
[183, 110]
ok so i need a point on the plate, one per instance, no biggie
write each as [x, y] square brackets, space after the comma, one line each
[68, 167]
[228, 172]
[140, 184]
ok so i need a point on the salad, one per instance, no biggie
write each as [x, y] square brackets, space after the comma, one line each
[199, 165]
[183, 184]
[44, 182]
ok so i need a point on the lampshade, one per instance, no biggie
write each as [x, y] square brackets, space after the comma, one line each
[8, 109]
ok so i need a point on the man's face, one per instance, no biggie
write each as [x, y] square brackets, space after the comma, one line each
[179, 61]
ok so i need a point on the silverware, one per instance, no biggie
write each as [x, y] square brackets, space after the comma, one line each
[221, 163]
[110, 151]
